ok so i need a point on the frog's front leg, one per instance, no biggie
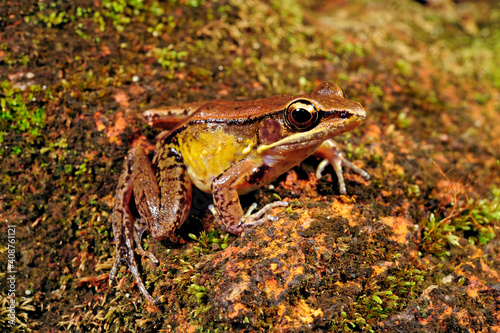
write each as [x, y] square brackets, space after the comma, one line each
[332, 155]
[226, 199]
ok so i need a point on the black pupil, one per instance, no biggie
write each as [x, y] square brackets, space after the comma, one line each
[301, 116]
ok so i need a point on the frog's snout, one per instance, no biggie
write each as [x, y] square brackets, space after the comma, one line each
[359, 111]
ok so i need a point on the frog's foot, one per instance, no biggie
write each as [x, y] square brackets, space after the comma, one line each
[138, 231]
[127, 255]
[336, 159]
[250, 220]
[125, 252]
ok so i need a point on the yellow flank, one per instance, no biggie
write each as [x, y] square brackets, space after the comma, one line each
[208, 153]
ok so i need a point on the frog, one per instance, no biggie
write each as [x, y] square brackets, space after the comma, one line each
[224, 148]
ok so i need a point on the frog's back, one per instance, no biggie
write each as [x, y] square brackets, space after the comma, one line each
[219, 110]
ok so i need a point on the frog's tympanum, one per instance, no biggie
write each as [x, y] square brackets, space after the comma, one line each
[225, 148]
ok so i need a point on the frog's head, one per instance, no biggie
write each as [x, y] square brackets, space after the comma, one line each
[310, 119]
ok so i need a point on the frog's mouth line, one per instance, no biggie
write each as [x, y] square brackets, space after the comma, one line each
[314, 136]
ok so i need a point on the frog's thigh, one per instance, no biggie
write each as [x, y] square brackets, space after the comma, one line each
[145, 186]
[163, 201]
[176, 194]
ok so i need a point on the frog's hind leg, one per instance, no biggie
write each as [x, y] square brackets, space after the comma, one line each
[123, 228]
[163, 203]
[175, 187]
[162, 199]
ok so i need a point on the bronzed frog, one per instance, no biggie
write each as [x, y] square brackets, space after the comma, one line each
[225, 148]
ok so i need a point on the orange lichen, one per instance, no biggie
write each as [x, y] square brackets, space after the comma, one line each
[121, 98]
[99, 125]
[302, 314]
[118, 127]
[400, 226]
[381, 268]
[235, 309]
[475, 275]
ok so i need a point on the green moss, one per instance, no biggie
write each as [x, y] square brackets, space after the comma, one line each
[474, 221]
[380, 299]
[17, 114]
[170, 59]
[208, 242]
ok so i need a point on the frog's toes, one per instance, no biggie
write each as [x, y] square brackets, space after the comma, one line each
[138, 231]
[127, 254]
[250, 210]
[114, 269]
[252, 220]
[337, 161]
[356, 169]
[140, 227]
[214, 211]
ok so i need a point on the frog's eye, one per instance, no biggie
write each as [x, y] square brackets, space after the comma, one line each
[301, 115]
